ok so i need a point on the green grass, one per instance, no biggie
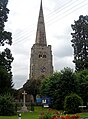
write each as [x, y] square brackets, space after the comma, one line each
[26, 115]
[35, 114]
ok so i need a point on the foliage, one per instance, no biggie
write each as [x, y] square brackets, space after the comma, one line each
[7, 105]
[82, 77]
[56, 115]
[5, 56]
[32, 87]
[59, 85]
[68, 82]
[50, 87]
[5, 81]
[80, 42]
[6, 59]
[72, 103]
[5, 37]
[45, 115]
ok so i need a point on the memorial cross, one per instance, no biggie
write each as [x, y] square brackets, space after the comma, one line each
[24, 93]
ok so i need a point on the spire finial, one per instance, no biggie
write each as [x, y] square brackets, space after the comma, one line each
[41, 3]
[41, 35]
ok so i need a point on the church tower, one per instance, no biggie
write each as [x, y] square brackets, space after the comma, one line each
[41, 54]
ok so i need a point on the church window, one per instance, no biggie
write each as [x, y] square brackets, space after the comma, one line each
[44, 56]
[40, 56]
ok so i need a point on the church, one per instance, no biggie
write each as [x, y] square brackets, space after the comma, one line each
[41, 53]
[41, 56]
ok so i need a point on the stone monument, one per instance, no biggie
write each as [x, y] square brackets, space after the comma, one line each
[24, 108]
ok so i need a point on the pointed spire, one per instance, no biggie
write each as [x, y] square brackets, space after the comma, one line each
[40, 34]
[41, 6]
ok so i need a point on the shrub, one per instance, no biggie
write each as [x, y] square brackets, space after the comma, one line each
[7, 105]
[45, 115]
[72, 103]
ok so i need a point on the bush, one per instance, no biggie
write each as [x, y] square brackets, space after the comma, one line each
[7, 105]
[45, 115]
[72, 103]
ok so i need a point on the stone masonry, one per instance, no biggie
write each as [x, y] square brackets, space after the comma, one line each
[41, 54]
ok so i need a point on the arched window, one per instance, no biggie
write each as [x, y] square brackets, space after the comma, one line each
[44, 56]
[40, 55]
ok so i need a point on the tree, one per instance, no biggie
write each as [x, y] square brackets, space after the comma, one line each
[50, 87]
[5, 56]
[6, 60]
[5, 37]
[72, 103]
[68, 84]
[68, 81]
[32, 86]
[80, 43]
[82, 77]
[59, 85]
[5, 81]
[7, 105]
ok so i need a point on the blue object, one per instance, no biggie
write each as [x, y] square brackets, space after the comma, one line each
[46, 100]
[38, 100]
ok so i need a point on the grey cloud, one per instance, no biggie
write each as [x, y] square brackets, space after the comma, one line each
[63, 51]
[19, 80]
[60, 63]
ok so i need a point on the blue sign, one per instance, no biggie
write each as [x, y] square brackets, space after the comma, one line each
[46, 100]
[38, 100]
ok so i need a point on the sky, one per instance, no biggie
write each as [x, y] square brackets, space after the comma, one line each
[22, 22]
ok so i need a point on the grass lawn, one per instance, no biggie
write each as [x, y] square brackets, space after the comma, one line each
[27, 115]
[35, 114]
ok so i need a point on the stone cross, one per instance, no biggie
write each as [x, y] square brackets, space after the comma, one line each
[24, 93]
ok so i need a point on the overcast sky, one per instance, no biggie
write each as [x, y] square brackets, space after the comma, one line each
[22, 22]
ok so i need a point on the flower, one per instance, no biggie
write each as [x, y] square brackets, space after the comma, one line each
[75, 116]
[56, 115]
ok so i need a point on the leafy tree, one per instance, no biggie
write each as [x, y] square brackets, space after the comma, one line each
[6, 60]
[59, 85]
[68, 81]
[32, 86]
[5, 81]
[5, 37]
[49, 87]
[7, 105]
[82, 77]
[44, 87]
[80, 42]
[72, 103]
[5, 56]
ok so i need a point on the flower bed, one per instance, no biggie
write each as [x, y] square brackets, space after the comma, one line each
[57, 115]
[66, 117]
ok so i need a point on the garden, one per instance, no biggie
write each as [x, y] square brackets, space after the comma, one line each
[46, 113]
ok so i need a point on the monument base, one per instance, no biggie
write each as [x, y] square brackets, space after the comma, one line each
[24, 109]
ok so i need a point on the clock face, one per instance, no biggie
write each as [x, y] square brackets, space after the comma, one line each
[43, 69]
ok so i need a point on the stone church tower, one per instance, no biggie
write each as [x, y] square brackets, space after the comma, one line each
[41, 54]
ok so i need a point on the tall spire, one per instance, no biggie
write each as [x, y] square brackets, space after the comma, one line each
[40, 34]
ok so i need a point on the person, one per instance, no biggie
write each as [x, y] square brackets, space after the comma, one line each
[32, 106]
